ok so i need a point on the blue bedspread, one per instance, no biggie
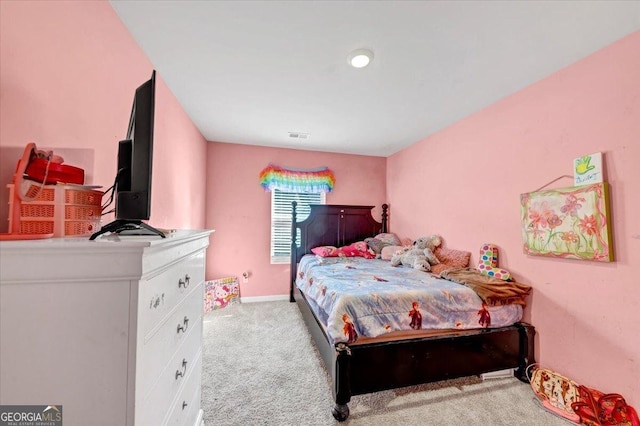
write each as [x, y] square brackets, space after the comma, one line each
[368, 297]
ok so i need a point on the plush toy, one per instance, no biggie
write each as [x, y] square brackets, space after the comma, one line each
[488, 264]
[419, 256]
[376, 245]
[381, 241]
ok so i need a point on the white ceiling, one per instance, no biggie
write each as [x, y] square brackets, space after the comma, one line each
[249, 72]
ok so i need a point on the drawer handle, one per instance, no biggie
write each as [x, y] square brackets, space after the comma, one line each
[184, 283]
[184, 369]
[183, 327]
[156, 301]
[184, 404]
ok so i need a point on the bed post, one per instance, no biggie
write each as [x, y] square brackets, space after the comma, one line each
[385, 217]
[342, 382]
[294, 254]
[526, 332]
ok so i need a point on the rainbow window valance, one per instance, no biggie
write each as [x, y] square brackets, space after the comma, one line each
[316, 180]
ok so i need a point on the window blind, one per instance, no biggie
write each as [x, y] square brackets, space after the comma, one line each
[281, 220]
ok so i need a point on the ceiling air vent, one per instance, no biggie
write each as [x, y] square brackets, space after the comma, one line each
[298, 135]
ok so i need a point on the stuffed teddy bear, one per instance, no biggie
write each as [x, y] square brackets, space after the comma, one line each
[376, 245]
[419, 256]
[381, 241]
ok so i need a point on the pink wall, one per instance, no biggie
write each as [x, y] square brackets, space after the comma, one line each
[585, 313]
[240, 210]
[68, 75]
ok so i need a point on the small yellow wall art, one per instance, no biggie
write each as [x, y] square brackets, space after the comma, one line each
[570, 223]
[588, 169]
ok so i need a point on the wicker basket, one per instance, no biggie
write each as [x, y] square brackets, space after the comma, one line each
[61, 210]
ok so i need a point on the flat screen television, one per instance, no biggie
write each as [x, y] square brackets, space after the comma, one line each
[132, 185]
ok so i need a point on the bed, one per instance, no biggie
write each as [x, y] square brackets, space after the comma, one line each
[388, 362]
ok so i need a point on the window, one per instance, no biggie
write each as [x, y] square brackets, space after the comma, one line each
[281, 220]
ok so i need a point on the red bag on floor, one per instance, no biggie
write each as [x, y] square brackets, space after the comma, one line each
[598, 409]
[555, 391]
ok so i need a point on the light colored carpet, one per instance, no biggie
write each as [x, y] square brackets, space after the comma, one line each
[260, 367]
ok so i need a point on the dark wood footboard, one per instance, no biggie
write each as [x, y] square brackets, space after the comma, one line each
[401, 363]
[526, 356]
[373, 367]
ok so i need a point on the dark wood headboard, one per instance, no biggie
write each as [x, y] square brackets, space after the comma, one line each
[332, 225]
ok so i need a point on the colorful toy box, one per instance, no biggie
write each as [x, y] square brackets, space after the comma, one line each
[221, 293]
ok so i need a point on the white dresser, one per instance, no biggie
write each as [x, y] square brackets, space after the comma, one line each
[110, 329]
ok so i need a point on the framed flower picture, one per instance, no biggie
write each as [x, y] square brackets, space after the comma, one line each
[570, 223]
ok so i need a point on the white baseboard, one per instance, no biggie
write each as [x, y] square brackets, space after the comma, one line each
[500, 374]
[254, 299]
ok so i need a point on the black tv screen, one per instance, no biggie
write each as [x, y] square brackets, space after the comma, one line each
[133, 201]
[135, 162]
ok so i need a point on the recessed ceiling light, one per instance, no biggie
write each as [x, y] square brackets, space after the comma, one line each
[360, 58]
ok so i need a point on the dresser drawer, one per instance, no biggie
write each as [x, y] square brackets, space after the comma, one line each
[156, 352]
[158, 296]
[172, 379]
[186, 408]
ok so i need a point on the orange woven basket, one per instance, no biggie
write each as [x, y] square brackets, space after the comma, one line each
[61, 210]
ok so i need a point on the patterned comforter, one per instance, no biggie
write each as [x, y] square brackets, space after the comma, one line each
[368, 297]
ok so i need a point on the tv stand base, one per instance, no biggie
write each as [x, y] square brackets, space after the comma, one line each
[128, 227]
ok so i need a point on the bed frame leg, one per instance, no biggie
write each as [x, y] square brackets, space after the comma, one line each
[340, 412]
[527, 353]
[342, 382]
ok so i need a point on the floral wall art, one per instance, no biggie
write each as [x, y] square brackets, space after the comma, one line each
[570, 223]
